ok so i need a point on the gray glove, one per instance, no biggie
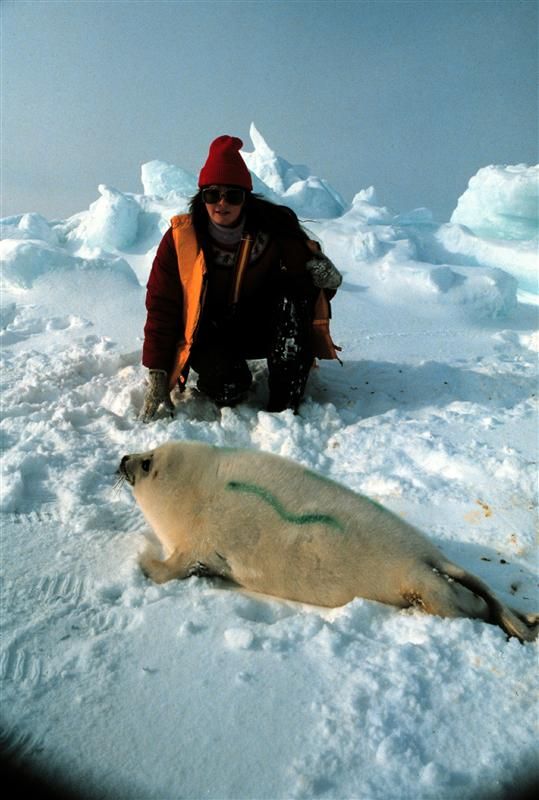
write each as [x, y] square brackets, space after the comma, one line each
[324, 273]
[156, 393]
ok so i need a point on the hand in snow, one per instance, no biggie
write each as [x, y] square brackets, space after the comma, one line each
[156, 393]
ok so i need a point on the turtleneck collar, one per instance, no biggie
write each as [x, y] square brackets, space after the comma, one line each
[226, 236]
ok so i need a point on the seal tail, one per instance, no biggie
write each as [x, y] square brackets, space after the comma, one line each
[524, 627]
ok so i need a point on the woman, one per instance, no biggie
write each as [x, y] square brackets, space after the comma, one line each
[235, 279]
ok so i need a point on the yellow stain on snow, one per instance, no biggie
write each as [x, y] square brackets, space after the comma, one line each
[475, 516]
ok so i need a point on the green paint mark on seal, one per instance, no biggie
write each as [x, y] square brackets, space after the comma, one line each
[295, 519]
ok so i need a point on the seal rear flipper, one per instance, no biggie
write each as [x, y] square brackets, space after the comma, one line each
[524, 627]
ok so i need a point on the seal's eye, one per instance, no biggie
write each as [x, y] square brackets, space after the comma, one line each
[146, 464]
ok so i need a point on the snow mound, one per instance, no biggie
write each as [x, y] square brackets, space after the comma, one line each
[274, 171]
[306, 194]
[478, 292]
[501, 202]
[365, 209]
[518, 258]
[28, 226]
[160, 179]
[25, 261]
[112, 221]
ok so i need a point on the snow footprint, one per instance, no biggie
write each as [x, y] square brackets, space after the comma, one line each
[20, 667]
[260, 629]
[260, 611]
[26, 485]
[67, 589]
[31, 518]
[51, 595]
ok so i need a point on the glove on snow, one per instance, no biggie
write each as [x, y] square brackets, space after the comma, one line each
[324, 273]
[156, 393]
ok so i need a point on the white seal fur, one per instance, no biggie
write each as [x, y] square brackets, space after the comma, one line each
[272, 526]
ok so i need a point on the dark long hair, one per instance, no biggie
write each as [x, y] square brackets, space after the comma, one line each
[260, 215]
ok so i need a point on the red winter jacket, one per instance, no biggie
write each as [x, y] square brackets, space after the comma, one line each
[175, 296]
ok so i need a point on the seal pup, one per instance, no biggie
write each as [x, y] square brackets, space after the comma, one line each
[273, 526]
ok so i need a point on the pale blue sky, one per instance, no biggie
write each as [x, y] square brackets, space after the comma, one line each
[411, 97]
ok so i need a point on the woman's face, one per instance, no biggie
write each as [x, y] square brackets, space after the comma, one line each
[223, 212]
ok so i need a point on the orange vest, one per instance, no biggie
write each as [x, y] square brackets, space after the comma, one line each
[192, 271]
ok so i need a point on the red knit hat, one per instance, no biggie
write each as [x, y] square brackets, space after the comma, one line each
[224, 164]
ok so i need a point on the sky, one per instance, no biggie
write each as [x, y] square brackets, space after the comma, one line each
[411, 97]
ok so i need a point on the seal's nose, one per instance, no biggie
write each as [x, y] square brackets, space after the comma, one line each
[121, 469]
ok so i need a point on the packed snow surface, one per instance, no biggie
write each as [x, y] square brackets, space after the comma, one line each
[125, 689]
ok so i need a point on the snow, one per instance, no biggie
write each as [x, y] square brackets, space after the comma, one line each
[306, 194]
[112, 221]
[167, 180]
[502, 202]
[194, 689]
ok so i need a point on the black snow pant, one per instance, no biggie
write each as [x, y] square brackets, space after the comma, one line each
[220, 354]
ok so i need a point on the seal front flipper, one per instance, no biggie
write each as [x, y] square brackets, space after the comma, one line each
[177, 565]
[181, 564]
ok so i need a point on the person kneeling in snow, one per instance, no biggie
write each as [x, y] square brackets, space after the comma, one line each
[235, 279]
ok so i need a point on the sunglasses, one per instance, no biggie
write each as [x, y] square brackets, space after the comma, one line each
[234, 197]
